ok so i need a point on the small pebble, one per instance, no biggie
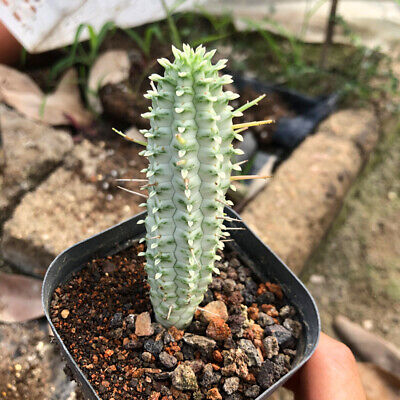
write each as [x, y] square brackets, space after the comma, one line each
[293, 326]
[167, 338]
[218, 330]
[264, 320]
[253, 391]
[210, 377]
[265, 298]
[153, 346]
[283, 335]
[271, 346]
[216, 284]
[215, 309]
[228, 286]
[184, 378]
[130, 322]
[167, 360]
[196, 365]
[287, 311]
[116, 320]
[231, 385]
[214, 394]
[223, 275]
[143, 325]
[147, 357]
[232, 274]
[202, 343]
[234, 262]
[267, 374]
[251, 352]
[64, 313]
[208, 297]
[188, 352]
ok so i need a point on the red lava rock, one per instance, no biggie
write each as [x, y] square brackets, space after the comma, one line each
[216, 367]
[214, 394]
[109, 301]
[261, 289]
[220, 296]
[218, 330]
[260, 353]
[275, 289]
[250, 378]
[217, 356]
[154, 396]
[270, 310]
[108, 353]
[215, 309]
[253, 312]
[254, 332]
[143, 325]
[235, 298]
[176, 333]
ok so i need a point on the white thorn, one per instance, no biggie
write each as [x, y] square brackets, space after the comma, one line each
[133, 192]
[169, 312]
[131, 180]
[230, 219]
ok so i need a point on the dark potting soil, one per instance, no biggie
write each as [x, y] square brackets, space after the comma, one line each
[243, 337]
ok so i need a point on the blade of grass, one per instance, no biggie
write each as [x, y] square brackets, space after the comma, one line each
[174, 33]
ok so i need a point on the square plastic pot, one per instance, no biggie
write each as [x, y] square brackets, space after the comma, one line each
[252, 250]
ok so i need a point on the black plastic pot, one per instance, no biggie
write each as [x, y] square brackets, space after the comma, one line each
[252, 250]
[310, 111]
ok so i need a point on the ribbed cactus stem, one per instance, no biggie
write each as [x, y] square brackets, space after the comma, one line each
[189, 149]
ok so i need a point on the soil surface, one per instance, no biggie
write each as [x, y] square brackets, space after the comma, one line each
[243, 337]
[30, 369]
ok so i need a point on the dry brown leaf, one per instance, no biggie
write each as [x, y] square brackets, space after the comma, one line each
[19, 298]
[65, 103]
[21, 92]
[111, 67]
[59, 108]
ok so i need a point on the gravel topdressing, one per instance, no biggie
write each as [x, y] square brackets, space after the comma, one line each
[243, 337]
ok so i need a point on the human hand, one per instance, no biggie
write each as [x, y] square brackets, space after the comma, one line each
[330, 374]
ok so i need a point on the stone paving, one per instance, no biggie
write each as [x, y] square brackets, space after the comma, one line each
[31, 151]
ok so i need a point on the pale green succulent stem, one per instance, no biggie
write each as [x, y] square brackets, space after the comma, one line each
[189, 150]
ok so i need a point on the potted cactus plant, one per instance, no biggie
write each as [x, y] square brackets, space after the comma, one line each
[180, 316]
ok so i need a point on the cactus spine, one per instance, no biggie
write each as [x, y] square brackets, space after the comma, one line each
[189, 151]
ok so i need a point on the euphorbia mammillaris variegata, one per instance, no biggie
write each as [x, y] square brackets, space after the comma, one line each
[189, 149]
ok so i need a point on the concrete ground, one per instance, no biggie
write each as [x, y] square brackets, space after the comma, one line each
[356, 269]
